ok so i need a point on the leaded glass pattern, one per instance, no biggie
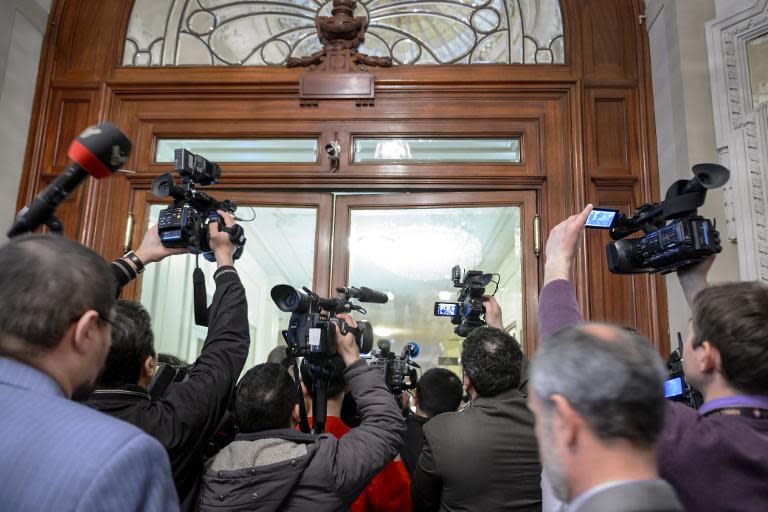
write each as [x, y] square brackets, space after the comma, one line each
[268, 32]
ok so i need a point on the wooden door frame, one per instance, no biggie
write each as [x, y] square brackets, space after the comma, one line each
[526, 200]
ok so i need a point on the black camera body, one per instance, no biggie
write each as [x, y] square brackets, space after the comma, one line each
[465, 313]
[184, 224]
[311, 332]
[674, 235]
[399, 370]
[676, 245]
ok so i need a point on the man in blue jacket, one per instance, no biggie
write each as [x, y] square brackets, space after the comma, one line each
[56, 299]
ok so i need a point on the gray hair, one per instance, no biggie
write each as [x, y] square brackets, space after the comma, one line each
[614, 380]
[47, 283]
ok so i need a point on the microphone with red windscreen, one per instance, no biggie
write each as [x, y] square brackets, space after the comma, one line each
[99, 151]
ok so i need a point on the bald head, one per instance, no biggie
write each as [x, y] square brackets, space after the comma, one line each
[612, 377]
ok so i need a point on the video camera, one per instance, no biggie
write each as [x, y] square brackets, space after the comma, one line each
[310, 331]
[675, 387]
[399, 371]
[185, 222]
[311, 334]
[664, 248]
[465, 313]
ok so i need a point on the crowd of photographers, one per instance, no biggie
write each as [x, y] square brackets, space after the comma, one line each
[584, 426]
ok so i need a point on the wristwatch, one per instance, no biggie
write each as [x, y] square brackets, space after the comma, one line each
[131, 256]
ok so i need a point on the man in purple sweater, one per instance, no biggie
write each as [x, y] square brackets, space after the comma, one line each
[716, 458]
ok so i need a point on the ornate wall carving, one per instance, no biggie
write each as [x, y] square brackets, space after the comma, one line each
[741, 135]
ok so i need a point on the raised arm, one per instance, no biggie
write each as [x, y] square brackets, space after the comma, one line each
[557, 301]
[151, 250]
[203, 396]
[693, 279]
[365, 450]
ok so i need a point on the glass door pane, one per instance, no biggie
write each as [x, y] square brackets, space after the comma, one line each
[408, 250]
[281, 247]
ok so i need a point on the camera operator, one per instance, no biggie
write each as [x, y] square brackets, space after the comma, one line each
[438, 391]
[270, 466]
[57, 300]
[716, 457]
[389, 490]
[187, 415]
[484, 457]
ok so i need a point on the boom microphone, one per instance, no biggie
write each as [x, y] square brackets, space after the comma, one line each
[364, 294]
[99, 151]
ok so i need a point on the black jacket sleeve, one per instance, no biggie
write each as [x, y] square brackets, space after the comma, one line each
[200, 401]
[426, 484]
[123, 274]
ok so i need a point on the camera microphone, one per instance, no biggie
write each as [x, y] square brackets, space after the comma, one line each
[410, 349]
[364, 294]
[99, 151]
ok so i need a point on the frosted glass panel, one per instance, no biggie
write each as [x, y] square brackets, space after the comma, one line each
[409, 254]
[279, 249]
[757, 60]
[268, 32]
[371, 150]
[242, 150]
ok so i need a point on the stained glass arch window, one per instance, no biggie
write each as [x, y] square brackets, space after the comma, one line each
[268, 32]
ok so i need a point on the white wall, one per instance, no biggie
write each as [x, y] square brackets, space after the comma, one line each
[22, 26]
[685, 130]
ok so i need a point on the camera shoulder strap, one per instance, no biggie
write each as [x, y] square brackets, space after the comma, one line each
[303, 419]
[200, 295]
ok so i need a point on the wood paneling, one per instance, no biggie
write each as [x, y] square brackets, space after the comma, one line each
[72, 113]
[608, 32]
[587, 129]
[612, 131]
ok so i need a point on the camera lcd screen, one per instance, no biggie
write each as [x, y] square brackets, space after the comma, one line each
[601, 218]
[446, 308]
[673, 387]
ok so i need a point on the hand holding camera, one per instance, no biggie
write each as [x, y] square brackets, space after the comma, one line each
[152, 249]
[346, 344]
[562, 244]
[492, 312]
[220, 239]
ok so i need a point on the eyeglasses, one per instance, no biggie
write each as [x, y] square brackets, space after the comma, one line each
[103, 318]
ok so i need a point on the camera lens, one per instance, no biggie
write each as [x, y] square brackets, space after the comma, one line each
[163, 185]
[289, 299]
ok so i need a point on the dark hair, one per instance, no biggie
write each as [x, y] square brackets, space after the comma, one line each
[280, 355]
[132, 343]
[734, 318]
[46, 284]
[171, 360]
[335, 379]
[439, 390]
[264, 398]
[613, 378]
[491, 360]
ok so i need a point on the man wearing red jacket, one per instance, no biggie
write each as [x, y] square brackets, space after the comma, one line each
[388, 491]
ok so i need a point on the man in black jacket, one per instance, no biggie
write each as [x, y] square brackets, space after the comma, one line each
[271, 466]
[485, 457]
[438, 391]
[187, 415]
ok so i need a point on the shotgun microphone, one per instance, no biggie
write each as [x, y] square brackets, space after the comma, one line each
[99, 150]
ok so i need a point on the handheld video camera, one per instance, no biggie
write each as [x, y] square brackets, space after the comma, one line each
[185, 222]
[465, 313]
[310, 331]
[665, 248]
[399, 371]
[676, 388]
[311, 334]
